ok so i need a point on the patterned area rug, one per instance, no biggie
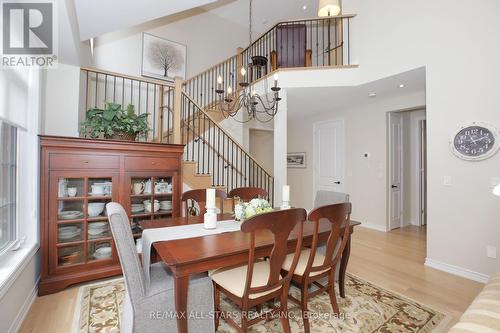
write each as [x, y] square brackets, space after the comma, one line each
[366, 308]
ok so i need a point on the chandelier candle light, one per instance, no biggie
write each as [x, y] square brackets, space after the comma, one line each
[254, 106]
[210, 217]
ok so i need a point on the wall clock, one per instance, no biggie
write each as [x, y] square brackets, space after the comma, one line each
[475, 141]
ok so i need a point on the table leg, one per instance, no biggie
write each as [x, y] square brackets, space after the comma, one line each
[181, 284]
[343, 266]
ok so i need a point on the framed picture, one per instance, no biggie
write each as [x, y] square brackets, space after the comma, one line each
[296, 160]
[162, 59]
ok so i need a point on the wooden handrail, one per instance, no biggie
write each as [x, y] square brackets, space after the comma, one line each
[225, 132]
[128, 77]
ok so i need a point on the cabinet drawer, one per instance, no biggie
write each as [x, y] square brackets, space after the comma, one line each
[133, 163]
[82, 161]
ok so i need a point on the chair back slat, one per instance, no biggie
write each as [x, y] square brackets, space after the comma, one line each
[248, 193]
[280, 224]
[338, 215]
[200, 197]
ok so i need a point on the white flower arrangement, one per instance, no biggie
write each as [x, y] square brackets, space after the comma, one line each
[245, 210]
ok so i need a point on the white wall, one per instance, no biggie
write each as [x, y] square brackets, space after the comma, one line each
[262, 147]
[460, 54]
[61, 91]
[209, 39]
[365, 179]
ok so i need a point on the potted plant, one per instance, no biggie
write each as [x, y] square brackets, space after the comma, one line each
[115, 123]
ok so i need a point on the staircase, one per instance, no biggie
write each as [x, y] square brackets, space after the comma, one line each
[186, 112]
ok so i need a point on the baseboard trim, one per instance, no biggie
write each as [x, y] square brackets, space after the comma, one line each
[456, 270]
[23, 312]
[372, 226]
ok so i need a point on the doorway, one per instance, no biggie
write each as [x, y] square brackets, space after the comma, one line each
[329, 142]
[407, 174]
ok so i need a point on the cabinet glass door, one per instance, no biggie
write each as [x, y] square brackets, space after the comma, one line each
[81, 233]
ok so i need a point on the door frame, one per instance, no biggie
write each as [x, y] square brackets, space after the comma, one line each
[420, 199]
[389, 170]
[315, 153]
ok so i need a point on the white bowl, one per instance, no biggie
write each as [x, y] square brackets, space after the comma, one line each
[105, 250]
[95, 208]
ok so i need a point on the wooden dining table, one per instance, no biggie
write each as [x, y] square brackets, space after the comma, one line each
[189, 256]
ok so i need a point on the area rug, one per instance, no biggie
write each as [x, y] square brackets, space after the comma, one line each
[366, 308]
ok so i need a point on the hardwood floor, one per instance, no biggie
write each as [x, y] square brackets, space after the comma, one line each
[392, 260]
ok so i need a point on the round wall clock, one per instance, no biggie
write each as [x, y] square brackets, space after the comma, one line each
[475, 141]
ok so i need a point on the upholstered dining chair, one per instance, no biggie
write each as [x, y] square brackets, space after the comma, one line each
[260, 281]
[247, 193]
[200, 197]
[324, 198]
[313, 266]
[142, 300]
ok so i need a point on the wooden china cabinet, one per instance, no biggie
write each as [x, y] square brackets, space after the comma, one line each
[78, 177]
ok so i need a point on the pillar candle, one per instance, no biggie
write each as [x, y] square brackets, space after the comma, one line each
[286, 193]
[210, 198]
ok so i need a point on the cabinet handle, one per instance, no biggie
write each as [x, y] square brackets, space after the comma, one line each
[86, 162]
[153, 163]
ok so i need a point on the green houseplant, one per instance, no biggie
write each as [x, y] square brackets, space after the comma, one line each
[113, 122]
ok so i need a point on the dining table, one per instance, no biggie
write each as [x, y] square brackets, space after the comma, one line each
[189, 256]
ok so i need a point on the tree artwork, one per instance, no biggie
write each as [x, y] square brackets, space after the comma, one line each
[164, 56]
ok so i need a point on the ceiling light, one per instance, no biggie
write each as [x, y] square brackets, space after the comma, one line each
[329, 8]
[304, 7]
[372, 94]
[401, 85]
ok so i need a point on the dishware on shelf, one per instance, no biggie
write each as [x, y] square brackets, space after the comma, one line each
[72, 191]
[97, 189]
[95, 208]
[148, 206]
[98, 228]
[69, 214]
[137, 208]
[68, 232]
[103, 252]
[138, 188]
[108, 188]
[147, 186]
[62, 188]
[161, 186]
[166, 205]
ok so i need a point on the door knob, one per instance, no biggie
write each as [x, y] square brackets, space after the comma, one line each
[337, 183]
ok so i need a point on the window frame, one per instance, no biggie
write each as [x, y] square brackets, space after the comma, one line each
[14, 243]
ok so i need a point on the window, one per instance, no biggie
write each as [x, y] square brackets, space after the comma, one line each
[8, 171]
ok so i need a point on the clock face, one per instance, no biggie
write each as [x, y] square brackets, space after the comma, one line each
[475, 142]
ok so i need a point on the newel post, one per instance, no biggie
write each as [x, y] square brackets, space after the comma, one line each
[239, 64]
[177, 112]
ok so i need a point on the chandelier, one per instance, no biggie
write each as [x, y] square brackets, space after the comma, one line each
[245, 99]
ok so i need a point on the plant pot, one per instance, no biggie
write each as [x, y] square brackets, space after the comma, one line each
[122, 136]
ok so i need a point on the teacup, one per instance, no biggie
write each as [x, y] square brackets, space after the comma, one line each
[138, 188]
[97, 189]
[72, 191]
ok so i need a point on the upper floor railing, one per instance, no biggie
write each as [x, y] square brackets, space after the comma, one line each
[154, 97]
[315, 42]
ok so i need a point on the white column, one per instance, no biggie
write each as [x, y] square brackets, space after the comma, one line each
[280, 150]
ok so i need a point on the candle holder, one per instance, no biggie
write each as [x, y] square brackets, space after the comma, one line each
[210, 218]
[285, 205]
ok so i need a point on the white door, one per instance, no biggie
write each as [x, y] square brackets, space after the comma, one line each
[423, 172]
[329, 156]
[396, 163]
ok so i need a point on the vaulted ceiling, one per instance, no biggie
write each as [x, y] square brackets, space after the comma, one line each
[97, 17]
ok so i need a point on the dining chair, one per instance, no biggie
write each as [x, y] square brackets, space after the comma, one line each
[313, 266]
[143, 300]
[247, 193]
[260, 281]
[200, 197]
